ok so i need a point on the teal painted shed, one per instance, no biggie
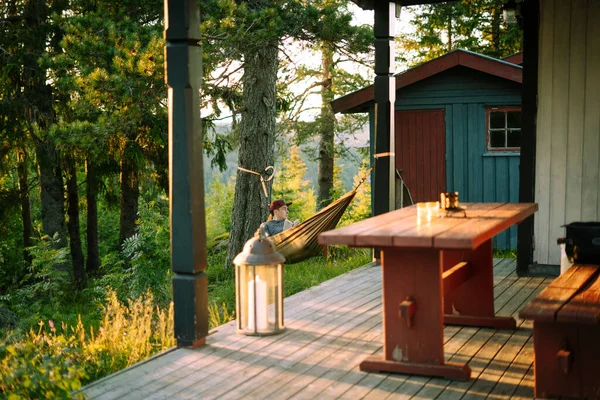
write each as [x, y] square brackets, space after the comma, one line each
[457, 128]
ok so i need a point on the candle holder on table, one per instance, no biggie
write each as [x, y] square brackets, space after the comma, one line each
[449, 203]
[259, 288]
[427, 211]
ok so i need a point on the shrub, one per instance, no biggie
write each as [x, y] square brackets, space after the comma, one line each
[40, 366]
[53, 363]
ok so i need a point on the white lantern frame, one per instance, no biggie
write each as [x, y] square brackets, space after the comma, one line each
[259, 288]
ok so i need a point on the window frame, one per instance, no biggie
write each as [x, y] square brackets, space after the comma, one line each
[505, 109]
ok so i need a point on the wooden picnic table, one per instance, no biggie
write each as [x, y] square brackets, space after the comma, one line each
[433, 273]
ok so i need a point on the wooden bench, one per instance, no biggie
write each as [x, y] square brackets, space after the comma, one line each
[566, 334]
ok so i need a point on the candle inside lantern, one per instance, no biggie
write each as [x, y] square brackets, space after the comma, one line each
[261, 304]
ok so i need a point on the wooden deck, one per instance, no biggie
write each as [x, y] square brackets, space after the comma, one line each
[331, 328]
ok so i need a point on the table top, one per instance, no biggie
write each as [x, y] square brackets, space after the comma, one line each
[400, 228]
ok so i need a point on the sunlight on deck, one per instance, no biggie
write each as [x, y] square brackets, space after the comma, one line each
[331, 328]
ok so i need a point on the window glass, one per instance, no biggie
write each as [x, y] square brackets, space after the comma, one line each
[504, 129]
[496, 119]
[513, 139]
[497, 139]
[513, 119]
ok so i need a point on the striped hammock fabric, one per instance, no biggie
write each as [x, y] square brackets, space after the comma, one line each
[300, 242]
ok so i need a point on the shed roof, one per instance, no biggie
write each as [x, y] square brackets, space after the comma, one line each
[516, 58]
[479, 62]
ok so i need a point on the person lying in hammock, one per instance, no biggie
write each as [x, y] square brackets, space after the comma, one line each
[278, 221]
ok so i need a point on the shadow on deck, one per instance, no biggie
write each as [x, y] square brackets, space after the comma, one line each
[331, 328]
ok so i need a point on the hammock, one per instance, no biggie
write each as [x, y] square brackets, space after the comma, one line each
[300, 242]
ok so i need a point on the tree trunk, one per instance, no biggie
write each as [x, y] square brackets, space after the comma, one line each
[93, 254]
[73, 224]
[327, 126]
[39, 113]
[449, 32]
[52, 193]
[257, 131]
[496, 43]
[25, 204]
[130, 194]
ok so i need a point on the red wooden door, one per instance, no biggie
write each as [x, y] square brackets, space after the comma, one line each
[421, 152]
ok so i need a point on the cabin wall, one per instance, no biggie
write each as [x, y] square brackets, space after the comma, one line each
[568, 122]
[476, 174]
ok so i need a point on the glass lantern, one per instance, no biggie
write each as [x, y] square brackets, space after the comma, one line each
[259, 288]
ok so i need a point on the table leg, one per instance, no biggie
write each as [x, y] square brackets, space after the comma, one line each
[472, 303]
[412, 316]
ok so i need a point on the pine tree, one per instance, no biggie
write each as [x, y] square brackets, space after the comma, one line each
[120, 96]
[360, 208]
[252, 33]
[468, 24]
[291, 185]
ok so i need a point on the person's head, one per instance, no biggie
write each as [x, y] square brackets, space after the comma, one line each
[279, 209]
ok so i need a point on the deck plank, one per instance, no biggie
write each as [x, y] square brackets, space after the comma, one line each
[331, 328]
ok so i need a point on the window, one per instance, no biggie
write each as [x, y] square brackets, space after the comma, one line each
[504, 129]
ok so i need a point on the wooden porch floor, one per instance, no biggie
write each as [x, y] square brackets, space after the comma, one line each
[331, 328]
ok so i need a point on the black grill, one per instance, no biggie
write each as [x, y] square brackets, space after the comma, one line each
[583, 242]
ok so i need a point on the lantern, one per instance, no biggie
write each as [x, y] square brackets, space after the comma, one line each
[259, 288]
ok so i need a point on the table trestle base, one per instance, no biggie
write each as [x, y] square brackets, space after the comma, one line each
[483, 322]
[448, 370]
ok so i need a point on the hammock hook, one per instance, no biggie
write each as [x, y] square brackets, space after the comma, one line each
[264, 177]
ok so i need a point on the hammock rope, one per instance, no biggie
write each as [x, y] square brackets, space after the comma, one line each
[267, 174]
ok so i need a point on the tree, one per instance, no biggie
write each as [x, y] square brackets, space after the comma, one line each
[472, 25]
[360, 208]
[121, 97]
[290, 184]
[253, 33]
[340, 43]
[27, 98]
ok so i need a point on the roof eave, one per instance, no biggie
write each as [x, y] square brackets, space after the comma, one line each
[356, 101]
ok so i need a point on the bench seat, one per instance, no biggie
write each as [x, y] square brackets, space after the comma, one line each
[566, 334]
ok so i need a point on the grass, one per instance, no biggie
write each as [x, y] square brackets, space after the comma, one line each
[512, 253]
[297, 277]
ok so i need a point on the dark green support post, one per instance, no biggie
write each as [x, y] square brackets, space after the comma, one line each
[183, 74]
[530, 10]
[385, 96]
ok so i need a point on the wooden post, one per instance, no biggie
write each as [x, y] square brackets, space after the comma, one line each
[183, 75]
[385, 97]
[530, 11]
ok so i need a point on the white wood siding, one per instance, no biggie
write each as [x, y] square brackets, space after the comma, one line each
[568, 121]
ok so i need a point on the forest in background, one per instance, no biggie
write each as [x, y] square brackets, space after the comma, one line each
[84, 206]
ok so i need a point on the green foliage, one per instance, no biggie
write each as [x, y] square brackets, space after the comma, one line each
[218, 316]
[360, 208]
[47, 280]
[474, 25]
[145, 261]
[219, 203]
[55, 361]
[338, 189]
[40, 366]
[511, 253]
[221, 285]
[290, 184]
